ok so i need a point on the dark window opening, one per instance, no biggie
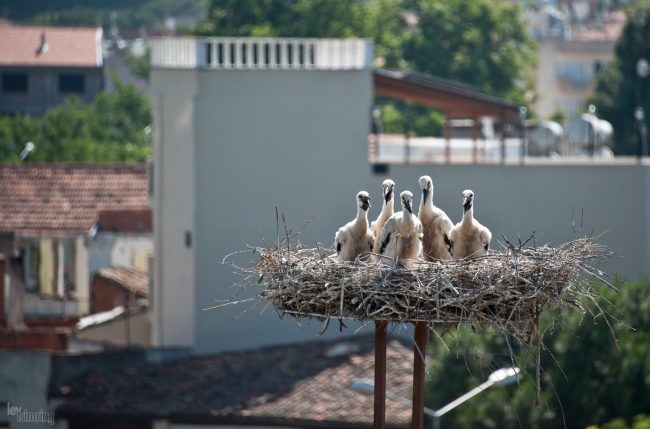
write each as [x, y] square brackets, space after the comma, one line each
[380, 168]
[71, 83]
[14, 83]
[598, 67]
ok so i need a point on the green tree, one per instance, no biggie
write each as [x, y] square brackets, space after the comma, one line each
[619, 90]
[479, 42]
[586, 378]
[484, 43]
[114, 127]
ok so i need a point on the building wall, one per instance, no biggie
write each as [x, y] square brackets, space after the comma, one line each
[132, 251]
[560, 94]
[127, 250]
[134, 330]
[173, 95]
[24, 381]
[298, 140]
[82, 276]
[106, 295]
[43, 89]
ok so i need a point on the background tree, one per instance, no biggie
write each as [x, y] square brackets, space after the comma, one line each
[115, 127]
[619, 90]
[484, 43]
[587, 378]
[492, 51]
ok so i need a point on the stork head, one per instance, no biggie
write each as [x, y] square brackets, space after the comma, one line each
[468, 200]
[407, 198]
[363, 200]
[427, 186]
[387, 188]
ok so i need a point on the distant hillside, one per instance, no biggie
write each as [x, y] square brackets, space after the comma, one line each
[129, 13]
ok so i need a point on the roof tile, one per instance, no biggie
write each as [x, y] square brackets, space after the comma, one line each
[280, 385]
[66, 46]
[65, 199]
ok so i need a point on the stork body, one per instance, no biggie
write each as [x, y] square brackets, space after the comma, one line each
[468, 238]
[388, 188]
[401, 236]
[354, 238]
[436, 225]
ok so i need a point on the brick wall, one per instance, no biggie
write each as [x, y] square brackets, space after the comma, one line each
[106, 295]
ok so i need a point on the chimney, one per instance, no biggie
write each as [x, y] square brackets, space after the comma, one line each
[43, 46]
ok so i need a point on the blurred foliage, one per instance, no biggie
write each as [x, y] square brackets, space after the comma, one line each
[484, 43]
[140, 66]
[587, 377]
[129, 13]
[492, 50]
[559, 116]
[641, 421]
[115, 127]
[619, 90]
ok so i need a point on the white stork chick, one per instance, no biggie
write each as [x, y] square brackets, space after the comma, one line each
[468, 238]
[435, 224]
[401, 236]
[387, 190]
[355, 237]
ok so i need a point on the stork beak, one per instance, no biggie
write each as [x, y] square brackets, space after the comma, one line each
[388, 193]
[467, 203]
[425, 194]
[407, 204]
[365, 203]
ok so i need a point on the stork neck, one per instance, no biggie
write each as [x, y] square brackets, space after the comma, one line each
[408, 220]
[468, 216]
[387, 208]
[362, 217]
[426, 204]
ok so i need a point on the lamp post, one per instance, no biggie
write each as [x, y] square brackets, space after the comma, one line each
[377, 128]
[524, 133]
[500, 377]
[642, 71]
[29, 148]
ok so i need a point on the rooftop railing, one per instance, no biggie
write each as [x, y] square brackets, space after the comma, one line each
[253, 53]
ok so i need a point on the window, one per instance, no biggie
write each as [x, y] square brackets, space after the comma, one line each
[71, 84]
[69, 267]
[598, 66]
[14, 83]
[577, 73]
[30, 256]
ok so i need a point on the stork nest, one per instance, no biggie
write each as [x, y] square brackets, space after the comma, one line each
[506, 289]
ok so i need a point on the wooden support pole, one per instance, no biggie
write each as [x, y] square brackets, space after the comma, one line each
[419, 355]
[380, 374]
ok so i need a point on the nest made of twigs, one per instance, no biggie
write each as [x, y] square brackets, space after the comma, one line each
[507, 289]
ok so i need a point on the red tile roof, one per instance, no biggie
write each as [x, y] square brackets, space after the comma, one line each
[130, 278]
[304, 385]
[65, 199]
[66, 46]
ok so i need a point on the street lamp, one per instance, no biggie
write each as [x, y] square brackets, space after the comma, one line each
[29, 148]
[500, 377]
[642, 71]
[524, 133]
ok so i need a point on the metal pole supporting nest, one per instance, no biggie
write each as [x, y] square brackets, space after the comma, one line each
[419, 357]
[380, 374]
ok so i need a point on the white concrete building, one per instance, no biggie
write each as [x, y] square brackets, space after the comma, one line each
[570, 57]
[243, 125]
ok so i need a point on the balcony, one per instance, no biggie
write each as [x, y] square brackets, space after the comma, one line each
[252, 53]
[40, 306]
